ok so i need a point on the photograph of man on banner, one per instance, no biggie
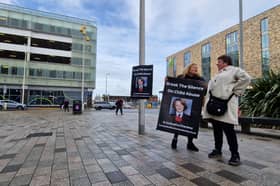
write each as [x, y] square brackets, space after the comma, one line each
[141, 84]
[180, 111]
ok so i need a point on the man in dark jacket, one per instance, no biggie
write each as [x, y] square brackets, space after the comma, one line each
[119, 106]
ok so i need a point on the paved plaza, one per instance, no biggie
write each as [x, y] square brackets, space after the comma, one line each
[51, 147]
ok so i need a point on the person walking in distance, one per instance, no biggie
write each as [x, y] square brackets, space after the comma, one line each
[119, 106]
[228, 84]
[66, 106]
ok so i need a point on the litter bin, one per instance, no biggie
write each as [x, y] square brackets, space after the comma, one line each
[5, 106]
[77, 107]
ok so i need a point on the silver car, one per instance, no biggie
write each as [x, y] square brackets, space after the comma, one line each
[98, 105]
[10, 104]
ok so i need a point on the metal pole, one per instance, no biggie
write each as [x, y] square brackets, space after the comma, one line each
[141, 118]
[106, 84]
[83, 76]
[24, 74]
[241, 34]
[106, 92]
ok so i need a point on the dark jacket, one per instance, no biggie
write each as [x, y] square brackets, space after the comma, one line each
[198, 78]
[186, 120]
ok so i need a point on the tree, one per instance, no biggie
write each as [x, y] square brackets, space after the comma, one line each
[263, 99]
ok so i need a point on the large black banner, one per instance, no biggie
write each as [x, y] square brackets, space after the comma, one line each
[142, 81]
[181, 107]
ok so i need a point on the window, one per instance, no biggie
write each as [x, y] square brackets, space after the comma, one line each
[187, 58]
[4, 69]
[13, 39]
[3, 20]
[76, 46]
[264, 25]
[14, 22]
[43, 43]
[174, 66]
[31, 72]
[59, 74]
[39, 72]
[232, 47]
[68, 75]
[14, 70]
[38, 26]
[206, 61]
[51, 59]
[77, 75]
[45, 73]
[265, 47]
[76, 61]
[87, 62]
[52, 73]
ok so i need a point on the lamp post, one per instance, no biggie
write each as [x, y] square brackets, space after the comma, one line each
[106, 91]
[241, 34]
[24, 74]
[141, 115]
[26, 59]
[85, 38]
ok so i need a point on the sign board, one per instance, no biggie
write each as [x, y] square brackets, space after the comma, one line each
[142, 81]
[180, 110]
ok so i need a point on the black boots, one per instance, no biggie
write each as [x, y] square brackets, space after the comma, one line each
[174, 143]
[192, 147]
[215, 154]
[234, 160]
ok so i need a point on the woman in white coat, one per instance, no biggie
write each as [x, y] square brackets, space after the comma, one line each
[229, 80]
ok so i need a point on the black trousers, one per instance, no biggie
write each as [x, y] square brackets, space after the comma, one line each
[228, 129]
[117, 110]
[190, 139]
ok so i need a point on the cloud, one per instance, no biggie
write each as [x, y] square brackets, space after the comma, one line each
[9, 1]
[170, 26]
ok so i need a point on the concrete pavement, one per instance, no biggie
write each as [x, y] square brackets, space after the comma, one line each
[50, 147]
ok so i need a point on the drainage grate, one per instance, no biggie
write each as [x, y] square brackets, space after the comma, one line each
[39, 134]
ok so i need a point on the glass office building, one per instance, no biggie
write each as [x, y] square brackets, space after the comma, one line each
[43, 54]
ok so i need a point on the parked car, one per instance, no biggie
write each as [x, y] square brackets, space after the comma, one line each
[127, 106]
[98, 105]
[11, 105]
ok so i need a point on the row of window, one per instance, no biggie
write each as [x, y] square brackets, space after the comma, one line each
[24, 24]
[58, 74]
[44, 43]
[19, 71]
[44, 58]
[42, 97]
[231, 50]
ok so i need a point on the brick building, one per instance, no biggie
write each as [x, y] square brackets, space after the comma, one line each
[261, 37]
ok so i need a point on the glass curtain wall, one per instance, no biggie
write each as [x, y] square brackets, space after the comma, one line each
[232, 47]
[206, 61]
[265, 46]
[187, 59]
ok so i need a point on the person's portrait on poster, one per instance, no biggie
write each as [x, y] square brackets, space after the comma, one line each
[180, 111]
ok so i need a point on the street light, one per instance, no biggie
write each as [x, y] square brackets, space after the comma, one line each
[141, 115]
[85, 38]
[241, 64]
[24, 74]
[106, 93]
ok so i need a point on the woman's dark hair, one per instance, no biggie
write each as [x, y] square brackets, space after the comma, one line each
[226, 59]
[181, 101]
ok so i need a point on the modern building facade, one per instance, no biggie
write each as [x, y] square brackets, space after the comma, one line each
[44, 56]
[261, 42]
